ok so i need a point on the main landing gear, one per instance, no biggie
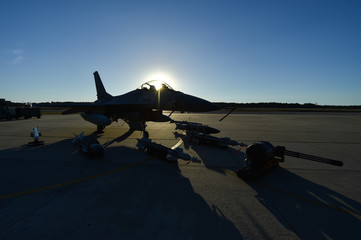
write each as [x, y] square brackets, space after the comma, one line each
[145, 134]
[100, 128]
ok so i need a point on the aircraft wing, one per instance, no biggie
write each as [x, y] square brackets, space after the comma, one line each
[83, 107]
[71, 107]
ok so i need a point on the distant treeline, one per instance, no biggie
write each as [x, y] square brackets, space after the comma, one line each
[13, 104]
[67, 102]
[284, 105]
[239, 106]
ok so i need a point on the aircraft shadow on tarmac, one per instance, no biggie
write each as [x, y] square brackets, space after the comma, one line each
[118, 139]
[311, 210]
[153, 200]
[61, 149]
[148, 201]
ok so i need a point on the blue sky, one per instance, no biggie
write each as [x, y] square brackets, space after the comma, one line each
[229, 51]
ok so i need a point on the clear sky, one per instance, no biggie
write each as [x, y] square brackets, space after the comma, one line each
[230, 51]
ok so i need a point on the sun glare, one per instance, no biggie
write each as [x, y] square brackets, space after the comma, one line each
[158, 85]
[161, 77]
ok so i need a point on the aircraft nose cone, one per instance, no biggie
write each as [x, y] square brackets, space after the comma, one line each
[208, 106]
[195, 104]
[213, 107]
[178, 101]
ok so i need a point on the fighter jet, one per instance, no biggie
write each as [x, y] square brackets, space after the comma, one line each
[138, 106]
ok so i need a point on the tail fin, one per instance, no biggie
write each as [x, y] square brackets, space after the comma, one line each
[101, 93]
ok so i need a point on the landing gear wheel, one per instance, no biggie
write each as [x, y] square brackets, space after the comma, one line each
[100, 128]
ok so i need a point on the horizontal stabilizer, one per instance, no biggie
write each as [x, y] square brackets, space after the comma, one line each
[71, 111]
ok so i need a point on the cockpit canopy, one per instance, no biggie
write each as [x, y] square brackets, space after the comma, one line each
[155, 85]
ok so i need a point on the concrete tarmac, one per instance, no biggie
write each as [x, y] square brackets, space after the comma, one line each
[55, 192]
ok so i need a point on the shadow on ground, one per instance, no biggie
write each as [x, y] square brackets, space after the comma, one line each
[298, 202]
[151, 200]
[119, 139]
[215, 158]
[310, 210]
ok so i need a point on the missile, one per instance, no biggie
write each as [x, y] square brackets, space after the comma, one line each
[35, 134]
[195, 127]
[162, 152]
[88, 145]
[213, 141]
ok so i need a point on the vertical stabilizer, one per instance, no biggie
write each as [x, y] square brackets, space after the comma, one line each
[101, 93]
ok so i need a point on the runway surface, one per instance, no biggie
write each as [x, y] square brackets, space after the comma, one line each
[55, 192]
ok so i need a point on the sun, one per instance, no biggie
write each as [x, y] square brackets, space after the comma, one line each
[158, 84]
[161, 77]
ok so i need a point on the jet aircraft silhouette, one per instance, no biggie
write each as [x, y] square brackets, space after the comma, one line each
[138, 106]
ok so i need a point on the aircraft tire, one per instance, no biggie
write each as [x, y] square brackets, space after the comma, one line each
[100, 128]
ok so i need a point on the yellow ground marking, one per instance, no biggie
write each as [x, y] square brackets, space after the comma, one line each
[35, 190]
